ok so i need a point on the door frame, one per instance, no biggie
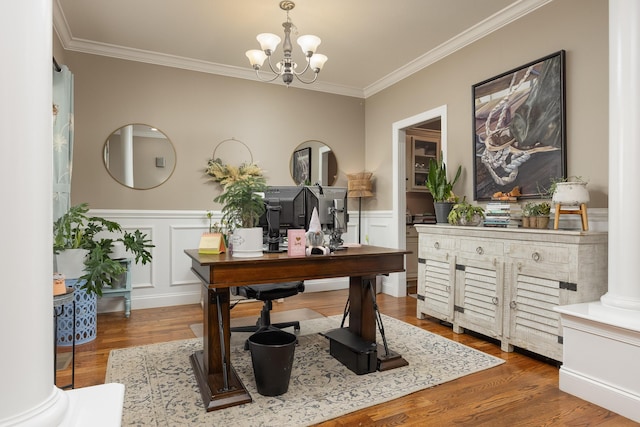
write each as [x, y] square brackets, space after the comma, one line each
[398, 286]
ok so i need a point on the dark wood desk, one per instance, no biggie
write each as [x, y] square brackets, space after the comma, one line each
[219, 384]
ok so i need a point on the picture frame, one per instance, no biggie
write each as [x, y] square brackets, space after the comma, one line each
[302, 166]
[519, 129]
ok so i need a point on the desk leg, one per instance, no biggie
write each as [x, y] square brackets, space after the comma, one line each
[362, 320]
[219, 384]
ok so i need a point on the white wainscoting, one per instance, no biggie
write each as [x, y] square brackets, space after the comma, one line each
[168, 280]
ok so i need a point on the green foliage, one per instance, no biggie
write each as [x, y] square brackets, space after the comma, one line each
[536, 209]
[464, 213]
[438, 183]
[77, 230]
[242, 205]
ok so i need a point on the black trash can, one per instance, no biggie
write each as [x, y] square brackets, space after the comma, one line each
[272, 358]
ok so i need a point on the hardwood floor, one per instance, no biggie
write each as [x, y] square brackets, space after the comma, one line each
[521, 392]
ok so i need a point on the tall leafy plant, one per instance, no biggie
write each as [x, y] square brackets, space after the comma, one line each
[438, 183]
[242, 203]
[77, 230]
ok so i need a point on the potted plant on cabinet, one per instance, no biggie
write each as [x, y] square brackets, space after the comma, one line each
[243, 204]
[536, 215]
[441, 188]
[95, 258]
[465, 213]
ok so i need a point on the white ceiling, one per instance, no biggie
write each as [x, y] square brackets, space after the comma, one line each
[371, 44]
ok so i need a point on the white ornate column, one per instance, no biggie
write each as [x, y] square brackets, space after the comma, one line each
[26, 314]
[29, 397]
[602, 338]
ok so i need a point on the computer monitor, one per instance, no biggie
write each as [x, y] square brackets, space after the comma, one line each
[331, 203]
[284, 209]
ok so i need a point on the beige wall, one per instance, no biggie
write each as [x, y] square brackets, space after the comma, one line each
[580, 27]
[197, 111]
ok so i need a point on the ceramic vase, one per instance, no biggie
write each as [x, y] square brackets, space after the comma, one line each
[247, 242]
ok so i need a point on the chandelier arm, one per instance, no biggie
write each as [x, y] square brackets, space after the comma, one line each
[267, 80]
[307, 82]
[305, 68]
[273, 69]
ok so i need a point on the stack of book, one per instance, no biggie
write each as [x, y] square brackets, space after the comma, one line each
[497, 214]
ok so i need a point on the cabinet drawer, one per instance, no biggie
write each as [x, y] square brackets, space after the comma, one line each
[435, 244]
[541, 255]
[482, 247]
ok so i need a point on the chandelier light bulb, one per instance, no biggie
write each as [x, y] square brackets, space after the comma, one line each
[309, 44]
[256, 58]
[316, 62]
[268, 42]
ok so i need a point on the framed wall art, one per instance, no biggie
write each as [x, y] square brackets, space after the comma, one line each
[302, 166]
[519, 129]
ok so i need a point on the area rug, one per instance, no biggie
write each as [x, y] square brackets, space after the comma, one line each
[161, 389]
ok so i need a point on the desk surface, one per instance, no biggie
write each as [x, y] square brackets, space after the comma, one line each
[223, 270]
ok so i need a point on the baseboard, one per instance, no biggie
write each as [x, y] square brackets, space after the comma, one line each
[599, 393]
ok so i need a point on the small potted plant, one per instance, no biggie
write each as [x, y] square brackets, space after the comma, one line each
[441, 188]
[465, 213]
[243, 204]
[536, 215]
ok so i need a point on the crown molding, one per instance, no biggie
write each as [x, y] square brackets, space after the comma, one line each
[489, 25]
[472, 34]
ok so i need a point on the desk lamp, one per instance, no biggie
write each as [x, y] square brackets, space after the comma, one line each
[359, 185]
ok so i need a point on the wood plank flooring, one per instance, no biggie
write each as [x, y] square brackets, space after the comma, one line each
[522, 392]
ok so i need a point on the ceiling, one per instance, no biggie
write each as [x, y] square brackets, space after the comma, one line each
[371, 44]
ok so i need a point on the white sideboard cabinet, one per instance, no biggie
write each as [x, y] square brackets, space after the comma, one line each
[503, 283]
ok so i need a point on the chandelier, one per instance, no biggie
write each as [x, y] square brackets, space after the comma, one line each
[286, 67]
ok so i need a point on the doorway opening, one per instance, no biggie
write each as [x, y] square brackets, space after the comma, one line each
[430, 118]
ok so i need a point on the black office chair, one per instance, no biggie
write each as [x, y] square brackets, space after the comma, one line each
[268, 293]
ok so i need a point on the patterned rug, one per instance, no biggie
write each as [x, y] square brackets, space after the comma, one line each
[161, 389]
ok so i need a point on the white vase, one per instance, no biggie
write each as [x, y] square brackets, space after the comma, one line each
[70, 262]
[570, 194]
[247, 242]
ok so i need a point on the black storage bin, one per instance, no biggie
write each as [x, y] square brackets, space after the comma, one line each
[358, 355]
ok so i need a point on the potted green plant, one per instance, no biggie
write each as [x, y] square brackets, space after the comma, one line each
[77, 233]
[465, 213]
[441, 188]
[243, 204]
[90, 261]
[536, 215]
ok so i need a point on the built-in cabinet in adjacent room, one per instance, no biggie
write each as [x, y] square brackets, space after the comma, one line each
[422, 145]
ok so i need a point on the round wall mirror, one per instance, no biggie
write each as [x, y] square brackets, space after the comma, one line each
[139, 156]
[313, 162]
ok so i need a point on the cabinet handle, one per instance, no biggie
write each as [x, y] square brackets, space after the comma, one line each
[436, 245]
[519, 266]
[513, 305]
[494, 300]
[535, 256]
[479, 250]
[448, 288]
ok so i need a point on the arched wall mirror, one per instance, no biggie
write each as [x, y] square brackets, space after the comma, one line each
[139, 156]
[313, 162]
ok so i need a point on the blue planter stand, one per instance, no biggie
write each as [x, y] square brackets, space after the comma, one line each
[86, 307]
